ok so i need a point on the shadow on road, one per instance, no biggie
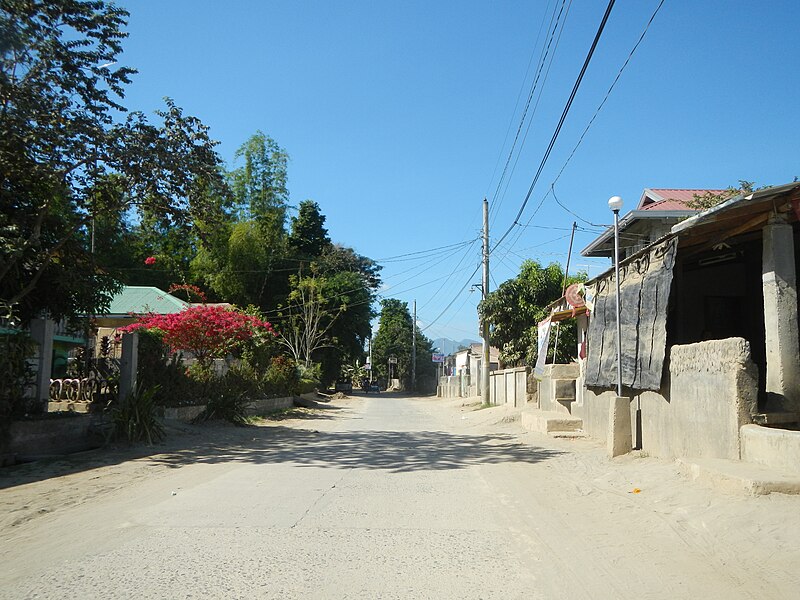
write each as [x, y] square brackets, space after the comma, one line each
[214, 443]
[395, 451]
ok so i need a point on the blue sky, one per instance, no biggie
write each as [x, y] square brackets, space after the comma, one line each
[398, 116]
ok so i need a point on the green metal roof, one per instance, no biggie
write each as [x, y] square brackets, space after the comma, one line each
[139, 299]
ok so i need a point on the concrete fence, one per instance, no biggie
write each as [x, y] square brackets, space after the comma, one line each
[509, 386]
[456, 386]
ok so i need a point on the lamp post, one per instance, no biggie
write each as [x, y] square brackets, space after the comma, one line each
[615, 204]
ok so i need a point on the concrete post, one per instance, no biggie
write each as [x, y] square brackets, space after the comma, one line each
[779, 279]
[42, 331]
[129, 364]
[620, 436]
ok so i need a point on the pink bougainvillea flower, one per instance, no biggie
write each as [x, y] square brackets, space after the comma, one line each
[150, 260]
[205, 331]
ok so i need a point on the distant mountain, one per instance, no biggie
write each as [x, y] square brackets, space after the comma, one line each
[448, 346]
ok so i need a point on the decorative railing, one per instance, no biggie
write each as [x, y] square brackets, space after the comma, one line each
[100, 384]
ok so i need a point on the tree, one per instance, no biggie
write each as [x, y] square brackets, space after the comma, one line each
[65, 160]
[308, 237]
[207, 332]
[259, 185]
[394, 340]
[708, 200]
[246, 261]
[348, 334]
[305, 321]
[516, 307]
[354, 279]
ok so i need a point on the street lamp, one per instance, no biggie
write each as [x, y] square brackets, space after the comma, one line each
[615, 204]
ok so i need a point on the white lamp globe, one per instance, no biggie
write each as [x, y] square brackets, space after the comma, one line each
[615, 203]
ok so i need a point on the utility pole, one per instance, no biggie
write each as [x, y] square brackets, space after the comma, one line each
[485, 290]
[414, 350]
[370, 356]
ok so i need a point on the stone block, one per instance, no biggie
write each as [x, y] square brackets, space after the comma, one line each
[620, 435]
[564, 389]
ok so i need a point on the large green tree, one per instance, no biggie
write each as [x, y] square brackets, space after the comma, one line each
[308, 237]
[66, 159]
[394, 339]
[247, 262]
[516, 307]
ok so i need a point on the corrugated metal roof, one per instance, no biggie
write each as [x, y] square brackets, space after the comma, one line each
[666, 205]
[139, 299]
[676, 197]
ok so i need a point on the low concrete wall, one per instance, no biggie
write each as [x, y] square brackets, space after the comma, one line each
[52, 436]
[509, 386]
[262, 406]
[268, 405]
[775, 448]
[183, 413]
[709, 392]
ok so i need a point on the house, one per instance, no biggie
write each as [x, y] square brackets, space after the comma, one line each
[130, 302]
[709, 337]
[657, 212]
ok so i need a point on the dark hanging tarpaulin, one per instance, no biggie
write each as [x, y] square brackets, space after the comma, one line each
[644, 293]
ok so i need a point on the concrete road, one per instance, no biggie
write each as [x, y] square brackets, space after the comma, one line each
[391, 497]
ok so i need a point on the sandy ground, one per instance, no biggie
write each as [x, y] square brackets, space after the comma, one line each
[385, 497]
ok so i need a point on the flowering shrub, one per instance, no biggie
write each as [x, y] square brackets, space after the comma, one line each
[150, 260]
[282, 376]
[191, 290]
[206, 331]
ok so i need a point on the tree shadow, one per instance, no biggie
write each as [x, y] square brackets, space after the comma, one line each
[271, 443]
[393, 451]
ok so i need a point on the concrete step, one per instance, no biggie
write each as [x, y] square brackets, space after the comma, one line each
[735, 476]
[549, 422]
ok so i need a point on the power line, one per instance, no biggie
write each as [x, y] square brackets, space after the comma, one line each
[561, 120]
[534, 84]
[446, 308]
[608, 93]
[399, 256]
[516, 103]
[447, 279]
[530, 122]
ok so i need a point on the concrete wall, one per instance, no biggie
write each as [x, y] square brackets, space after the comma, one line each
[43, 437]
[456, 386]
[709, 392]
[258, 407]
[267, 405]
[557, 388]
[509, 386]
[775, 448]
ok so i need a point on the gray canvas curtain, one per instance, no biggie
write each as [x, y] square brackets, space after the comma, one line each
[644, 293]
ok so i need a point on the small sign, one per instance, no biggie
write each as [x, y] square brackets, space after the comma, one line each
[392, 360]
[437, 358]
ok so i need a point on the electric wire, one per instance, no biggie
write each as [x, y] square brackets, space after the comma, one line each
[448, 278]
[608, 93]
[567, 107]
[516, 103]
[446, 308]
[536, 106]
[543, 58]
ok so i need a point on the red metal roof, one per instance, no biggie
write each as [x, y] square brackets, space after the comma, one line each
[670, 199]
